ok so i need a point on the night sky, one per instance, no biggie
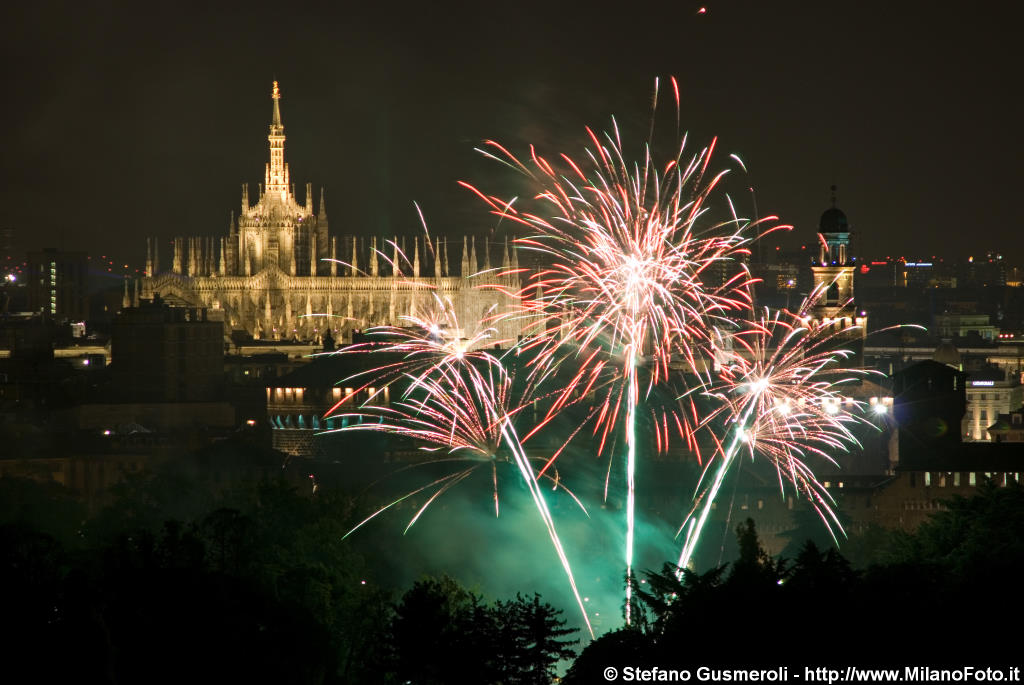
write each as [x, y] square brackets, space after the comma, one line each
[125, 120]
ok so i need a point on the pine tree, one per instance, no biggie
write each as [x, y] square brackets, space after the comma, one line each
[534, 635]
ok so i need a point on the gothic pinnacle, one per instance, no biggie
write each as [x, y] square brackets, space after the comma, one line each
[276, 95]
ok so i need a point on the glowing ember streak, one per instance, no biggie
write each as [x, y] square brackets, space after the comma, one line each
[629, 250]
[457, 399]
[780, 399]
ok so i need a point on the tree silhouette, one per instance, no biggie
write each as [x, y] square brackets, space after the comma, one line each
[533, 640]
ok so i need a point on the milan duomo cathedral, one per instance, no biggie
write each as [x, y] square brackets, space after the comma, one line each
[279, 274]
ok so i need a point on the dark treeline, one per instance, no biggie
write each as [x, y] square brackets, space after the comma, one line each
[946, 595]
[181, 579]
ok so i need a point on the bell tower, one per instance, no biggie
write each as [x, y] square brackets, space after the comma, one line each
[834, 267]
[833, 272]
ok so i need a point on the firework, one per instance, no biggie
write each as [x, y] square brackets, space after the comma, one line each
[630, 250]
[778, 395]
[455, 399]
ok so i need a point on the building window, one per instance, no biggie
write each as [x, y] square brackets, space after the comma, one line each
[956, 479]
[927, 478]
[972, 478]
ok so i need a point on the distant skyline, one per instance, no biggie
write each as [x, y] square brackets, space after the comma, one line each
[124, 121]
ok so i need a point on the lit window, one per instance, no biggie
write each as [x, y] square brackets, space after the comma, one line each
[972, 479]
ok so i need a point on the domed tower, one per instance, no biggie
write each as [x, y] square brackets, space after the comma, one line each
[833, 269]
[833, 272]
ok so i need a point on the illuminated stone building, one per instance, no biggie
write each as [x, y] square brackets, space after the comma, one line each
[991, 393]
[280, 274]
[833, 273]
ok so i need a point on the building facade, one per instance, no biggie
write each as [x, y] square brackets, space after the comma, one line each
[991, 393]
[280, 274]
[56, 284]
[167, 354]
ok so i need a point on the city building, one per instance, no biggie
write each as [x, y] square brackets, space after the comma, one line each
[955, 325]
[279, 273]
[161, 353]
[991, 393]
[1008, 427]
[57, 284]
[929, 404]
[301, 405]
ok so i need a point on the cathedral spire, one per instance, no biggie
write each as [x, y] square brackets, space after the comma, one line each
[276, 96]
[277, 171]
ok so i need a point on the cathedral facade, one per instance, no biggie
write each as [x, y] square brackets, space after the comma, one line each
[279, 273]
